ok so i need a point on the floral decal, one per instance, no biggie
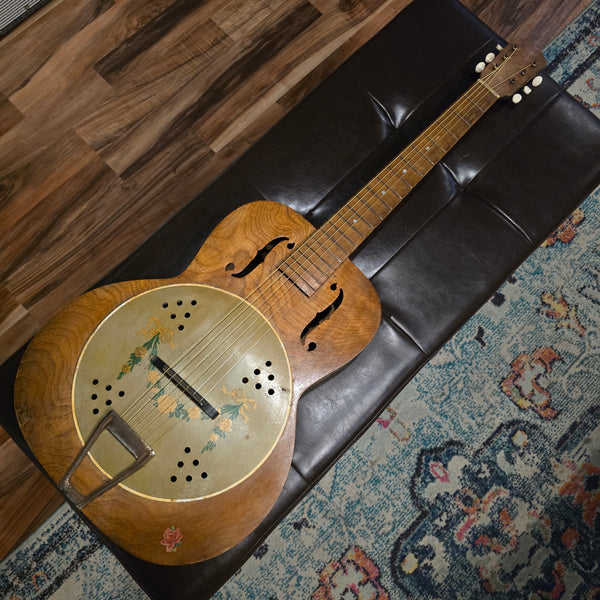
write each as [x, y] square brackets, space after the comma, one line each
[172, 539]
[167, 404]
[354, 575]
[522, 385]
[229, 413]
[563, 313]
[155, 333]
[568, 230]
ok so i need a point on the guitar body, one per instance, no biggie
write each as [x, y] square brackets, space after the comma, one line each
[233, 332]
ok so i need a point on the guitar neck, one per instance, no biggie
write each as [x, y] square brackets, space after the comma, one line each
[317, 258]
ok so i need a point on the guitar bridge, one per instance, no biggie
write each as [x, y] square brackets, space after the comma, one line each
[128, 438]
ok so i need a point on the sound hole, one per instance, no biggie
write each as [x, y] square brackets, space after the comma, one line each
[102, 396]
[261, 378]
[259, 257]
[183, 304]
[321, 317]
[184, 471]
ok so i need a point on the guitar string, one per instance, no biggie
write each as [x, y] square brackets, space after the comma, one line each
[414, 146]
[415, 150]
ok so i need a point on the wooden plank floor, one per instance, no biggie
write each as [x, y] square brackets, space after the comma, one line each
[115, 113]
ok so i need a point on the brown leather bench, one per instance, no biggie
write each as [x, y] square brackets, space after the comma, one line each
[442, 253]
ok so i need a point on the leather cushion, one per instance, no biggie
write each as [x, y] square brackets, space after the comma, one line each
[437, 258]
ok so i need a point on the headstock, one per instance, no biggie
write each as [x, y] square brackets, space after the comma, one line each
[515, 66]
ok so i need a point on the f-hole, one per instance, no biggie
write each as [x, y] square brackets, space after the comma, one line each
[259, 258]
[320, 317]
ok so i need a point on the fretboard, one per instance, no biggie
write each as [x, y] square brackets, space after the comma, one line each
[317, 258]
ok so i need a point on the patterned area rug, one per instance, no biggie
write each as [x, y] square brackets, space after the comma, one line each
[481, 480]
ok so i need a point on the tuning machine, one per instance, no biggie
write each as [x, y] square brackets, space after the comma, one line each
[489, 57]
[537, 80]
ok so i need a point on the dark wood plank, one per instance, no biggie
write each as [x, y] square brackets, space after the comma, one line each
[116, 61]
[537, 22]
[27, 498]
[9, 115]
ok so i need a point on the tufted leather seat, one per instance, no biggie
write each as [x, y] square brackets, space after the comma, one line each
[438, 257]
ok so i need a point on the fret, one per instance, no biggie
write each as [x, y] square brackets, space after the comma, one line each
[368, 212]
[377, 195]
[416, 160]
[447, 139]
[458, 124]
[391, 203]
[407, 171]
[436, 143]
[359, 221]
[401, 186]
[464, 121]
[309, 259]
[429, 149]
[475, 105]
[328, 246]
[345, 231]
[423, 154]
[470, 112]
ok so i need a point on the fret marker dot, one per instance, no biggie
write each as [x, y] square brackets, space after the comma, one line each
[404, 170]
[427, 148]
[383, 192]
[355, 221]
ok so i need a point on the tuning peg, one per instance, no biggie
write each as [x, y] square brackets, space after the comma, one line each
[517, 98]
[536, 81]
[490, 57]
[527, 89]
[479, 67]
[499, 47]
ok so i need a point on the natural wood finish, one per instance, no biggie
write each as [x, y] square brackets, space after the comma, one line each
[43, 390]
[62, 211]
[531, 20]
[132, 108]
[24, 492]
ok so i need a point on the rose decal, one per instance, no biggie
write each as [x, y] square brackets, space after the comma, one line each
[172, 539]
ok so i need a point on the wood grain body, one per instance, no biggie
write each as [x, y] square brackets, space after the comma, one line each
[44, 386]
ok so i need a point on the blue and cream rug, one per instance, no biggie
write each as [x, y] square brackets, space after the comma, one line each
[481, 480]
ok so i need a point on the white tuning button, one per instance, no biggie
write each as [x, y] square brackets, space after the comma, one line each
[536, 81]
[479, 67]
[527, 89]
[490, 57]
[499, 47]
[517, 98]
